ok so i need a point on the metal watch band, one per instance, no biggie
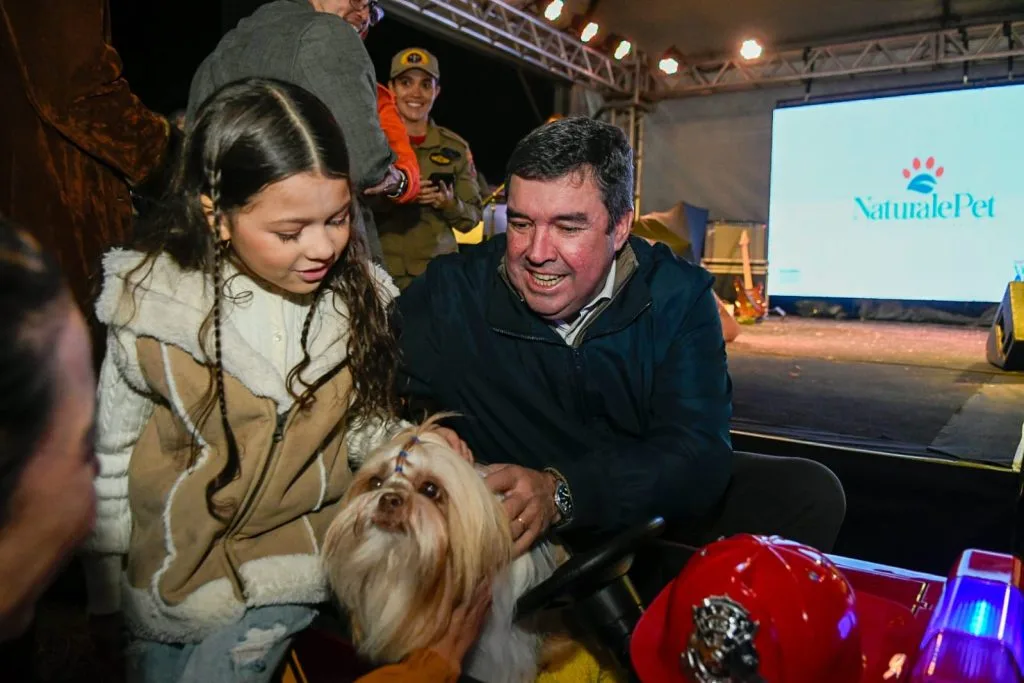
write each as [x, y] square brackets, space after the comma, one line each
[402, 184]
[563, 497]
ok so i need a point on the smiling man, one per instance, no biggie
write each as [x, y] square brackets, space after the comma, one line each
[590, 366]
[449, 199]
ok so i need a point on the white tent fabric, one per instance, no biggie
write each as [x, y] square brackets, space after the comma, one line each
[715, 151]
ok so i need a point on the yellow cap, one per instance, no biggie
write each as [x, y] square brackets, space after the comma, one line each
[414, 58]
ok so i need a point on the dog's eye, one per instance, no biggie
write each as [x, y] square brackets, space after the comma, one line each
[376, 482]
[430, 490]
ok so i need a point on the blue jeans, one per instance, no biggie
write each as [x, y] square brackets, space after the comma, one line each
[248, 651]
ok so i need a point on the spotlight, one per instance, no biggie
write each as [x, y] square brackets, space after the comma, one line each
[553, 10]
[670, 61]
[583, 27]
[751, 49]
[615, 45]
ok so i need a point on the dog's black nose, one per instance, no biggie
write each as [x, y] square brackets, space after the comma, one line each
[389, 502]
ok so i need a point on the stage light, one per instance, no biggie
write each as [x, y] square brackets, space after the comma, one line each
[553, 10]
[582, 26]
[615, 45]
[670, 61]
[751, 49]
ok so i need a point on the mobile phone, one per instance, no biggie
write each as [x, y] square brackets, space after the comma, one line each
[446, 178]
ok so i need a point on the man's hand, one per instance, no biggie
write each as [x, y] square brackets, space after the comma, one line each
[529, 500]
[464, 628]
[439, 196]
[457, 444]
[389, 185]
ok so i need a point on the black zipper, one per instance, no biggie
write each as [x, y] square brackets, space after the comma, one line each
[527, 337]
[577, 381]
[247, 507]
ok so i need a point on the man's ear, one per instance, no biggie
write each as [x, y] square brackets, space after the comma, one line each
[620, 233]
[221, 232]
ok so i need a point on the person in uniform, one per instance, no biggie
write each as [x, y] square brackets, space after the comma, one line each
[449, 198]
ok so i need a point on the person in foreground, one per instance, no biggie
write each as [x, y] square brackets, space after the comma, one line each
[47, 464]
[589, 367]
[249, 357]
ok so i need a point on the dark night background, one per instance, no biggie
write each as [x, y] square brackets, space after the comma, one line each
[483, 99]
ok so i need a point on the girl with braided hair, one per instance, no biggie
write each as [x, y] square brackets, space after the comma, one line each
[249, 359]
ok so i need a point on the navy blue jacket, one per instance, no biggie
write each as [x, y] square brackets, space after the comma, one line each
[636, 416]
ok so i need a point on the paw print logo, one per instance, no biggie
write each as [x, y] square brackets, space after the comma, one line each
[923, 176]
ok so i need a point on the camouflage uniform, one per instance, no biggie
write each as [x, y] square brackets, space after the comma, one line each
[412, 234]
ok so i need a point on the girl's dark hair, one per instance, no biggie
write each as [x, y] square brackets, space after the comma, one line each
[246, 136]
[31, 291]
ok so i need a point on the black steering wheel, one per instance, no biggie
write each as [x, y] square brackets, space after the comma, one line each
[586, 573]
[595, 585]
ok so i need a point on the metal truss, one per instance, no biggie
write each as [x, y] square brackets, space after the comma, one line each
[527, 38]
[927, 51]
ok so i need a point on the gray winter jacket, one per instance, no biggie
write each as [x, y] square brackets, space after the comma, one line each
[291, 41]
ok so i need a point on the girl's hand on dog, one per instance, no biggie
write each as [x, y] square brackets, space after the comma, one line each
[457, 444]
[529, 500]
[464, 628]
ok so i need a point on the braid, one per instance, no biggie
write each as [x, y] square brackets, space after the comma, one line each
[233, 462]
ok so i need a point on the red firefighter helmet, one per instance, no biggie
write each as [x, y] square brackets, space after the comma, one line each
[751, 609]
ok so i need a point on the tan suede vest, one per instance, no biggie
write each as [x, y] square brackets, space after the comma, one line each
[294, 469]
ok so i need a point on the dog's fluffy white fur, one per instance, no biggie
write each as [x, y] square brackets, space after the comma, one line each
[418, 530]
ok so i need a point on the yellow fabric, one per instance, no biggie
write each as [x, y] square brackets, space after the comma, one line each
[292, 672]
[655, 231]
[474, 236]
[578, 666]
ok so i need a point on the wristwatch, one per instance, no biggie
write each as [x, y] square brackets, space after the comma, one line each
[403, 183]
[563, 498]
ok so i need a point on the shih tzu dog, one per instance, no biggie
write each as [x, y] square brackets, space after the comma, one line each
[417, 532]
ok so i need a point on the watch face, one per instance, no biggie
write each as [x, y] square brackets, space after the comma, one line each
[563, 500]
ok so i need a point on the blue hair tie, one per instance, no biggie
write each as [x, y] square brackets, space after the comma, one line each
[402, 456]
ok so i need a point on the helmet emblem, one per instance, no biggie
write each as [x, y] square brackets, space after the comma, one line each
[721, 648]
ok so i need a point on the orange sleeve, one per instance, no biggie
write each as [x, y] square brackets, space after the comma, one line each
[398, 140]
[422, 666]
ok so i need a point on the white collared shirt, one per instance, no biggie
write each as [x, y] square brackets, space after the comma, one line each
[569, 331]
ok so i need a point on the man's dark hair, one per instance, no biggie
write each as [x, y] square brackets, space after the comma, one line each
[579, 145]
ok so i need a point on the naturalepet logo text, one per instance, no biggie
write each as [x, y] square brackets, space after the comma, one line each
[922, 180]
